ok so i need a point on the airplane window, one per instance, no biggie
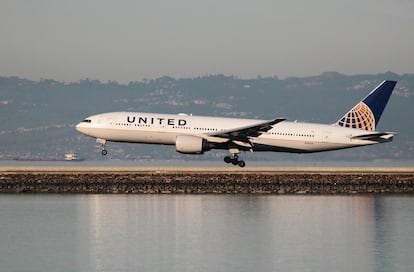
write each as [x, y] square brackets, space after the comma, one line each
[87, 121]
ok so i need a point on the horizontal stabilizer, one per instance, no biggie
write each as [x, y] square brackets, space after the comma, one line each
[376, 136]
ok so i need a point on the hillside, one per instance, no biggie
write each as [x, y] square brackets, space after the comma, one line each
[38, 117]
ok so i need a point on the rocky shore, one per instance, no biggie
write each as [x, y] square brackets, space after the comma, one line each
[156, 182]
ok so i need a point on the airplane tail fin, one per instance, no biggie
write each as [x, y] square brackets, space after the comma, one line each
[366, 114]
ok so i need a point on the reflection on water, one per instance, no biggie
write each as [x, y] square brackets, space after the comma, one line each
[394, 233]
[205, 233]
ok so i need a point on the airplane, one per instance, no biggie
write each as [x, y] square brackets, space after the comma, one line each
[197, 134]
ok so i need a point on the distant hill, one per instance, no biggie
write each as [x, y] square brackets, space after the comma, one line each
[38, 117]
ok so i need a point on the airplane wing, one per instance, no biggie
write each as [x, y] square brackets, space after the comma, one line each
[242, 134]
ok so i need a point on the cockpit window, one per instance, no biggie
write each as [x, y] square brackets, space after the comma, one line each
[87, 121]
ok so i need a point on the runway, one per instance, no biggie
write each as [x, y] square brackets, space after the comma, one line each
[205, 169]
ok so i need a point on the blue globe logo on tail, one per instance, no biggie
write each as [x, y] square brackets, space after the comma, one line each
[366, 114]
[360, 117]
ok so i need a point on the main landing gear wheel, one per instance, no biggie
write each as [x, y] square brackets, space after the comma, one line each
[104, 152]
[234, 160]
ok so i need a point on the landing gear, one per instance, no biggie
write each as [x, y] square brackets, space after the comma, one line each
[103, 145]
[234, 158]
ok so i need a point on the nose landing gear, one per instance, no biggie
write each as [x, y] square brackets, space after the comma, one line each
[103, 145]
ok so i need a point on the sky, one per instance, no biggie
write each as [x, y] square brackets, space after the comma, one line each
[129, 40]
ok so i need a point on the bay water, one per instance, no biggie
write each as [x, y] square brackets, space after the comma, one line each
[206, 233]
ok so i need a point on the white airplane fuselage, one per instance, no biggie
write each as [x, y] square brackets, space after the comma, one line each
[197, 134]
[152, 128]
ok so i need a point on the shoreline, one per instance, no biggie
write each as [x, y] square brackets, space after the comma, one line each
[207, 180]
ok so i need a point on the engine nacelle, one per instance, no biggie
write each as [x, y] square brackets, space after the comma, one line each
[188, 144]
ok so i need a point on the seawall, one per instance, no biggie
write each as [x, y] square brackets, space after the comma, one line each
[207, 180]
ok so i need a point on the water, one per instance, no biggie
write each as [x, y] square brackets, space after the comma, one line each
[206, 233]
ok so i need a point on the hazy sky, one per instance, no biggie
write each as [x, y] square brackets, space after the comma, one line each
[128, 40]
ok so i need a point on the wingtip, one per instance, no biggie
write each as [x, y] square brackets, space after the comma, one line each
[278, 120]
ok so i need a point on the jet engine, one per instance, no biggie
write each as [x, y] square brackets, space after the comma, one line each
[188, 144]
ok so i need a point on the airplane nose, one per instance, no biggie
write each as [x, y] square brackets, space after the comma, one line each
[79, 127]
[84, 126]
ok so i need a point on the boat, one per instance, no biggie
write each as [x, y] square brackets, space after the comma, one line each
[72, 156]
